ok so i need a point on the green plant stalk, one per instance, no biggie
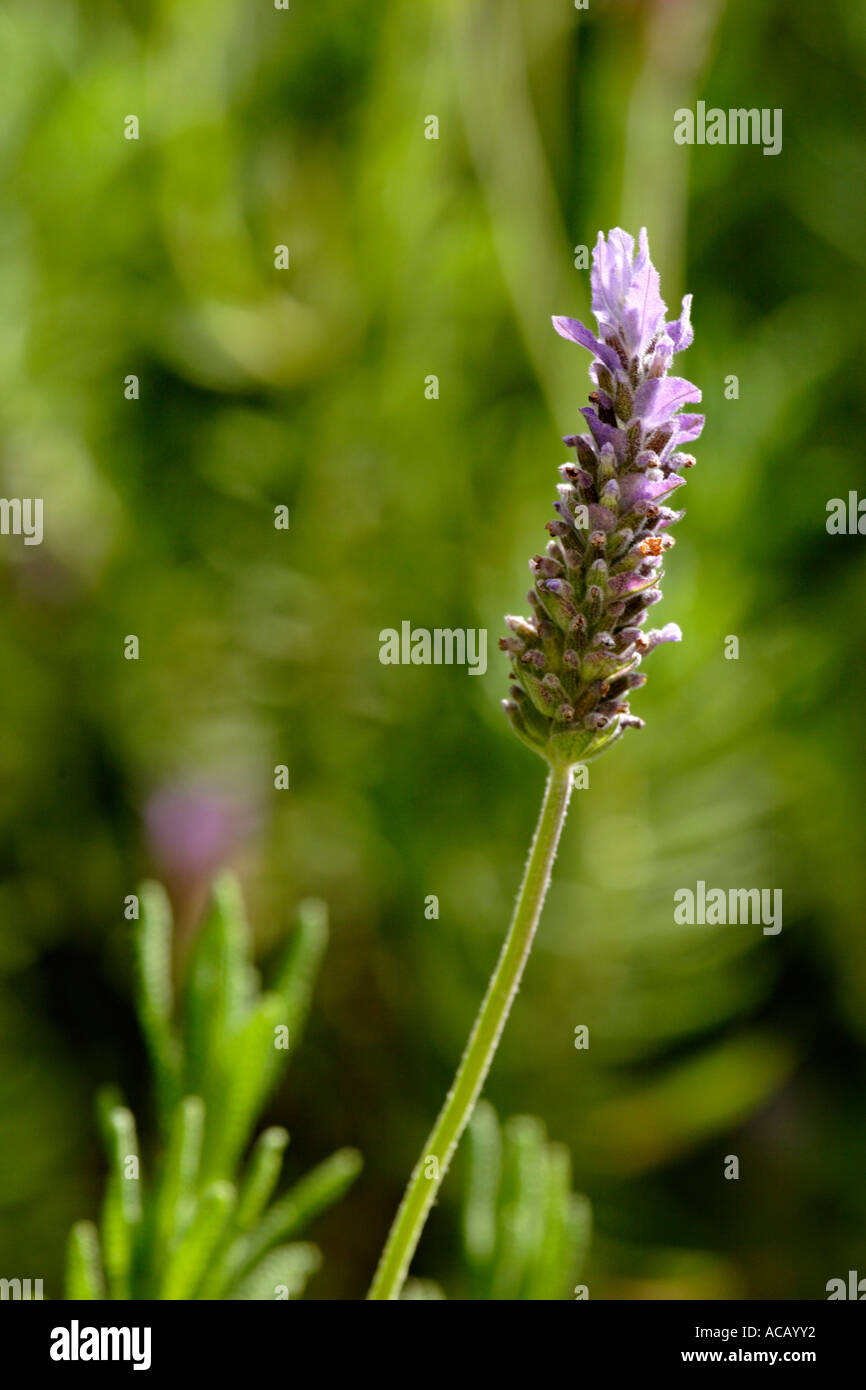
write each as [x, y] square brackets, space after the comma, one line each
[476, 1061]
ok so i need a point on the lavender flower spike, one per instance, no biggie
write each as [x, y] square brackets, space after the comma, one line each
[575, 658]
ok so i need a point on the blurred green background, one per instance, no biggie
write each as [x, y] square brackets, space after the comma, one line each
[412, 257]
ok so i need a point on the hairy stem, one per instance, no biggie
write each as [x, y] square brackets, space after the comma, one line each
[481, 1048]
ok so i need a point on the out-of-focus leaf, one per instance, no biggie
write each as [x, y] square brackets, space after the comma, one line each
[218, 987]
[262, 1176]
[121, 1211]
[156, 993]
[283, 1274]
[484, 1160]
[241, 1085]
[315, 1192]
[189, 1262]
[520, 1210]
[421, 1291]
[84, 1277]
[174, 1199]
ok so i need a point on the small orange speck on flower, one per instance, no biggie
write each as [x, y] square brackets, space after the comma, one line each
[653, 545]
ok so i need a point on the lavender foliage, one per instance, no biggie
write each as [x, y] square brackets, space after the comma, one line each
[575, 659]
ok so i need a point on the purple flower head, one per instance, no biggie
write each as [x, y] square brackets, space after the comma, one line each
[602, 567]
[625, 291]
[192, 830]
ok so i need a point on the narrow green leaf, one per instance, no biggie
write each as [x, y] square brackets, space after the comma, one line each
[84, 1277]
[175, 1200]
[262, 1176]
[296, 976]
[282, 1274]
[121, 1212]
[521, 1204]
[549, 1275]
[319, 1189]
[155, 994]
[245, 1075]
[189, 1262]
[218, 987]
[314, 1193]
[484, 1158]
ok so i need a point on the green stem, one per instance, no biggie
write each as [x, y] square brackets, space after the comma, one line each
[475, 1064]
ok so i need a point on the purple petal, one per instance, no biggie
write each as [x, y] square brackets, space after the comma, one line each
[671, 632]
[688, 428]
[638, 487]
[643, 308]
[680, 331]
[611, 275]
[668, 517]
[577, 332]
[656, 400]
[625, 291]
[662, 356]
[605, 434]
